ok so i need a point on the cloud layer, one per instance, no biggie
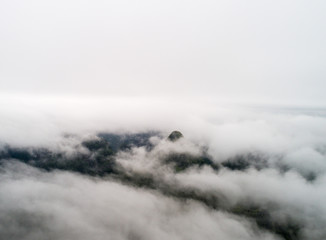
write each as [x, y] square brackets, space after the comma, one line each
[38, 205]
[151, 192]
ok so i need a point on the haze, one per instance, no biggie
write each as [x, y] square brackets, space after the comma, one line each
[155, 120]
[240, 51]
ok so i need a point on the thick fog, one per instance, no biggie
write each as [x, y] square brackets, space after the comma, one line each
[145, 197]
[132, 120]
[57, 205]
[271, 51]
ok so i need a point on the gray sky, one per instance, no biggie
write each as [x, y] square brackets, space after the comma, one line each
[256, 51]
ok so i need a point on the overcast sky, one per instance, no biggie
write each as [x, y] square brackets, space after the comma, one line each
[256, 51]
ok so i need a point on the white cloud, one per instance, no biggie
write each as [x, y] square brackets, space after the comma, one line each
[64, 205]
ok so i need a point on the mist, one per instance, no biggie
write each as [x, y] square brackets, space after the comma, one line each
[135, 120]
[237, 172]
[271, 52]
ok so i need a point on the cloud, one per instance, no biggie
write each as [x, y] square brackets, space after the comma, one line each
[73, 70]
[287, 191]
[287, 196]
[63, 205]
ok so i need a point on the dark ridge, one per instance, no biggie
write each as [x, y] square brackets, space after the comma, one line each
[148, 181]
[96, 144]
[245, 161]
[310, 177]
[99, 165]
[100, 161]
[119, 142]
[174, 136]
[288, 230]
[283, 168]
[100, 146]
[18, 153]
[182, 161]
